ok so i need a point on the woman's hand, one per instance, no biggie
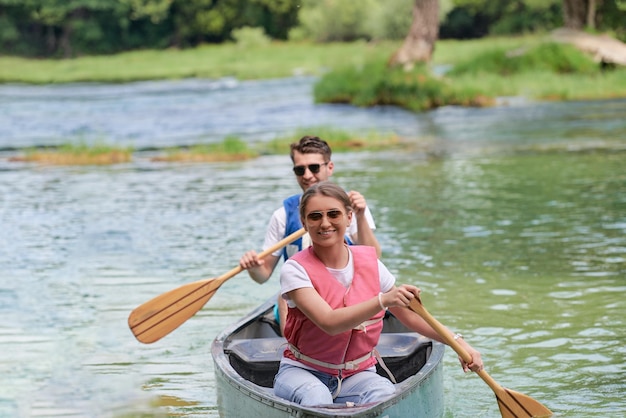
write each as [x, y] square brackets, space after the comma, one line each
[477, 362]
[400, 296]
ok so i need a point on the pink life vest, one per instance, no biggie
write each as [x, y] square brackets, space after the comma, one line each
[310, 344]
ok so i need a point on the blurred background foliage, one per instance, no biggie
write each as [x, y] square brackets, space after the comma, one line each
[70, 28]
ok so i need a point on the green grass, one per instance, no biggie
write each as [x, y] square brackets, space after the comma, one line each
[528, 67]
[278, 59]
[77, 154]
[545, 57]
[375, 84]
[339, 140]
[550, 86]
[452, 51]
[531, 83]
[234, 149]
[230, 149]
[285, 59]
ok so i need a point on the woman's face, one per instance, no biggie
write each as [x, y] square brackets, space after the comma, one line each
[326, 220]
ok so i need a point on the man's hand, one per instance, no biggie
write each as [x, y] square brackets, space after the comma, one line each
[358, 203]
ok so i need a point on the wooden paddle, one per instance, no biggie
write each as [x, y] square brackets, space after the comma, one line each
[158, 317]
[512, 404]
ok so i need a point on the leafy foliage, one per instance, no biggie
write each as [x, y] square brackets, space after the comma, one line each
[390, 19]
[376, 84]
[248, 37]
[349, 20]
[549, 57]
[71, 28]
[477, 18]
[334, 20]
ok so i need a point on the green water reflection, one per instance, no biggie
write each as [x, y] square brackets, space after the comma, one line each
[511, 220]
[526, 253]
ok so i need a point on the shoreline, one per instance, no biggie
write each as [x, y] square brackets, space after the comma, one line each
[15, 156]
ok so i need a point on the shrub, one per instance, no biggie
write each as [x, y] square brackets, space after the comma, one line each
[348, 20]
[549, 56]
[248, 37]
[476, 18]
[376, 84]
[389, 19]
[334, 20]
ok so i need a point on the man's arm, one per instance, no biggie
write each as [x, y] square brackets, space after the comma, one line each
[365, 234]
[259, 269]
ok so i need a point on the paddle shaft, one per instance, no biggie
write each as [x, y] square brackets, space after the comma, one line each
[280, 244]
[512, 404]
[162, 314]
[417, 307]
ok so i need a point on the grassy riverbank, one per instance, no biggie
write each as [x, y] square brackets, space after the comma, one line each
[537, 69]
[76, 154]
[280, 59]
[275, 60]
[474, 75]
[230, 149]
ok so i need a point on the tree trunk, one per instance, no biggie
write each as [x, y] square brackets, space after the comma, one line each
[51, 40]
[65, 43]
[575, 13]
[419, 44]
[591, 14]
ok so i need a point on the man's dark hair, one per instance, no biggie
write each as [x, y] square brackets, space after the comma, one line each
[311, 145]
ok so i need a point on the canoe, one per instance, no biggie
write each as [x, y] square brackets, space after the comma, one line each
[246, 357]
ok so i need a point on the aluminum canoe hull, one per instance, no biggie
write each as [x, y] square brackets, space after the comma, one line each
[245, 357]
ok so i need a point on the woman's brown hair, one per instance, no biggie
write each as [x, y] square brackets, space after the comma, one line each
[324, 188]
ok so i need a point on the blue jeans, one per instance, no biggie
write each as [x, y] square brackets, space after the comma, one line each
[312, 388]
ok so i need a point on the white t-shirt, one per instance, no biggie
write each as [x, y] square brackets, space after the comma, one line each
[293, 276]
[278, 225]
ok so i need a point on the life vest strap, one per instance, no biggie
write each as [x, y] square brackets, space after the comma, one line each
[349, 365]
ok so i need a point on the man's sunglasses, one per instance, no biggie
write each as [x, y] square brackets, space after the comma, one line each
[317, 216]
[313, 168]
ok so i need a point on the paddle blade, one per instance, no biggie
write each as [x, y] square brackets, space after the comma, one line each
[517, 405]
[512, 404]
[158, 317]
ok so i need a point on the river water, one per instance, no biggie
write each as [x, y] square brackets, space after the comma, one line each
[511, 219]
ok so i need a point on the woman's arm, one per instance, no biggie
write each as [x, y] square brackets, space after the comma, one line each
[416, 323]
[336, 321]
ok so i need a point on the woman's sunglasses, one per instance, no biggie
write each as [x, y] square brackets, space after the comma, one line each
[313, 168]
[317, 216]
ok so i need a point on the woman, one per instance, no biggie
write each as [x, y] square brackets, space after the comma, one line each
[337, 296]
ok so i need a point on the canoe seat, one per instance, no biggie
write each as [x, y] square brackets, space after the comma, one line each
[257, 359]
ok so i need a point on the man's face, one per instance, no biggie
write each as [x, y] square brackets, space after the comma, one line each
[309, 178]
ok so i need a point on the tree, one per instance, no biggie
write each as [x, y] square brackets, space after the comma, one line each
[199, 21]
[578, 13]
[419, 44]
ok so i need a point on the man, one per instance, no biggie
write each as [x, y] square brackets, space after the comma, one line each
[311, 164]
